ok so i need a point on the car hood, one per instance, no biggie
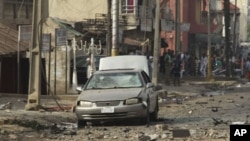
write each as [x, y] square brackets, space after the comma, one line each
[109, 94]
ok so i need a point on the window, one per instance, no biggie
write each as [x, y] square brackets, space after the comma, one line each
[18, 9]
[128, 6]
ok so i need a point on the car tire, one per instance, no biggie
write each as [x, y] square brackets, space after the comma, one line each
[146, 120]
[154, 114]
[81, 123]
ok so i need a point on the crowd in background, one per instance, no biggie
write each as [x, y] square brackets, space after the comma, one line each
[176, 66]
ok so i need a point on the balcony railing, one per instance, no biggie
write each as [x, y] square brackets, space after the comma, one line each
[129, 9]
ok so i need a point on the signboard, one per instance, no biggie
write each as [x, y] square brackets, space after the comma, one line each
[46, 40]
[146, 25]
[61, 37]
[185, 27]
[167, 25]
[25, 33]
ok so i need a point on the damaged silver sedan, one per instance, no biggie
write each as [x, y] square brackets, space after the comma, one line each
[117, 94]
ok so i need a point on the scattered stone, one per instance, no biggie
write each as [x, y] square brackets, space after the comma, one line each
[230, 100]
[8, 105]
[164, 136]
[219, 121]
[181, 133]
[201, 103]
[12, 136]
[126, 130]
[190, 112]
[161, 127]
[154, 137]
[99, 136]
[144, 138]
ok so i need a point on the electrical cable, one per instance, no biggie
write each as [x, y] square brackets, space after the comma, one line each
[43, 75]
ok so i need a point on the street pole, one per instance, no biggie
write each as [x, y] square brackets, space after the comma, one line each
[177, 27]
[34, 92]
[115, 18]
[108, 44]
[156, 42]
[93, 50]
[227, 35]
[209, 68]
[74, 79]
[235, 22]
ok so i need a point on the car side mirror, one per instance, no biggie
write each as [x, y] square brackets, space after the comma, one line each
[79, 89]
[149, 85]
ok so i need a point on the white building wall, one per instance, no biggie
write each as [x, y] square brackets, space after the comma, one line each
[243, 5]
[76, 10]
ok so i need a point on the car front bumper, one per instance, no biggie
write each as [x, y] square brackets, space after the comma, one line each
[119, 112]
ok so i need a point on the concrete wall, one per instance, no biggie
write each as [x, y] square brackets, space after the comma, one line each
[76, 10]
[243, 6]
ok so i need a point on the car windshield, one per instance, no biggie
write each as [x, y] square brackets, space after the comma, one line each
[114, 80]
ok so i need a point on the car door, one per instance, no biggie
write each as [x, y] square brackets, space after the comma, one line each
[149, 91]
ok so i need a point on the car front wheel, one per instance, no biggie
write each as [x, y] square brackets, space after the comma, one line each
[154, 114]
[146, 120]
[81, 123]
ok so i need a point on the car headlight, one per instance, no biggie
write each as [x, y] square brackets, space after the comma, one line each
[85, 103]
[132, 101]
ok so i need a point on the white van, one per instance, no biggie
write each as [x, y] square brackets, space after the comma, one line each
[125, 62]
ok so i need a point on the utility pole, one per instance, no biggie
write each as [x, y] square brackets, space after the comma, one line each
[34, 92]
[115, 18]
[235, 22]
[177, 27]
[227, 34]
[156, 42]
[108, 44]
[209, 69]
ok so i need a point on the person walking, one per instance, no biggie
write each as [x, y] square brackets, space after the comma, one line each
[167, 60]
[247, 67]
[176, 70]
[203, 65]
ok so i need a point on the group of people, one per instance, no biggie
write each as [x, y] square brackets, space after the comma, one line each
[175, 66]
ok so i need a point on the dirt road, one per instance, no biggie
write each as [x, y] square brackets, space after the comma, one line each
[192, 112]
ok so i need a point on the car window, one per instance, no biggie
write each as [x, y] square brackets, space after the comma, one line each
[114, 80]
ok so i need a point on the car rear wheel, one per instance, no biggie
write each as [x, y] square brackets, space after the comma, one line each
[81, 123]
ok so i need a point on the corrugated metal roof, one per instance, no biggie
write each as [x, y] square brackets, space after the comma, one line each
[9, 40]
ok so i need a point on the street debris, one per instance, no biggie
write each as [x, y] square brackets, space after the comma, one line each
[8, 105]
[203, 113]
[181, 133]
[217, 121]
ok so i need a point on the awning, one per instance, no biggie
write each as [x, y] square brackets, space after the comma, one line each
[67, 25]
[9, 41]
[215, 38]
[131, 42]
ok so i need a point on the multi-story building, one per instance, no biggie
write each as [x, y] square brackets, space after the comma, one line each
[12, 14]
